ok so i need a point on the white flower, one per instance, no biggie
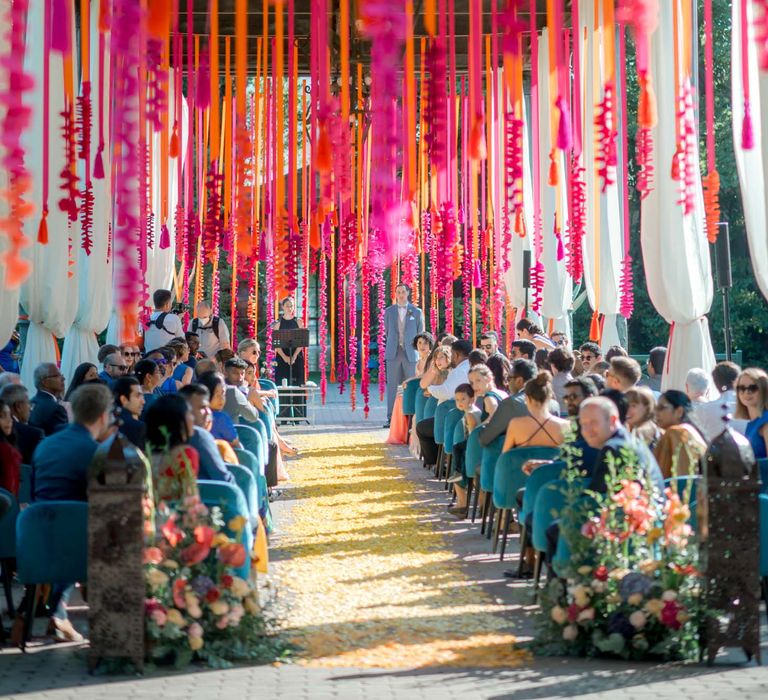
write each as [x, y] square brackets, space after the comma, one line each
[669, 595]
[598, 586]
[559, 615]
[581, 596]
[638, 619]
[570, 633]
[586, 615]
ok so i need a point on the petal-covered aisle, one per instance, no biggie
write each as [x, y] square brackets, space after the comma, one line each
[366, 579]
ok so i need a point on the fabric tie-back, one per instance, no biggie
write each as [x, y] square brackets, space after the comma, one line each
[751, 164]
[50, 293]
[603, 238]
[675, 247]
[558, 285]
[94, 305]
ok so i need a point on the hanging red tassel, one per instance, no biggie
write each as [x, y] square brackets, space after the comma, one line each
[98, 165]
[606, 137]
[477, 277]
[173, 147]
[564, 134]
[165, 237]
[560, 249]
[324, 154]
[627, 304]
[42, 230]
[747, 132]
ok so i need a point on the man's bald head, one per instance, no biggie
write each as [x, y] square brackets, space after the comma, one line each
[599, 420]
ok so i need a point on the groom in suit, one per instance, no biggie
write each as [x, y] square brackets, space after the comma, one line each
[402, 322]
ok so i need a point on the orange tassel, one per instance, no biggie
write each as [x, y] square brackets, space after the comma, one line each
[42, 231]
[324, 155]
[159, 20]
[314, 234]
[173, 149]
[712, 204]
[594, 328]
[477, 141]
[520, 223]
[647, 113]
[553, 179]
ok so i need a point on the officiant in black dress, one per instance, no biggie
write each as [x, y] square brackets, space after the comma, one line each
[289, 368]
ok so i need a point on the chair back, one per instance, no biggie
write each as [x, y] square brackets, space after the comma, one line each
[52, 542]
[563, 562]
[540, 476]
[252, 439]
[25, 484]
[453, 429]
[488, 458]
[430, 407]
[421, 402]
[549, 502]
[474, 453]
[249, 459]
[268, 419]
[269, 385]
[440, 414]
[409, 396]
[247, 483]
[509, 477]
[8, 527]
[763, 535]
[762, 466]
[232, 502]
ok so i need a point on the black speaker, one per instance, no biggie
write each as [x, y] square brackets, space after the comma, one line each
[723, 277]
[526, 269]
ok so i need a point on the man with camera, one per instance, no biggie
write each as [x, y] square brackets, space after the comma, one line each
[164, 323]
[212, 330]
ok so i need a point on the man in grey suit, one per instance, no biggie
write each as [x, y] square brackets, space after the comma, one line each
[402, 323]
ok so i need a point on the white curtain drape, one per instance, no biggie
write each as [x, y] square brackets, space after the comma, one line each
[94, 304]
[558, 285]
[603, 240]
[675, 247]
[752, 165]
[49, 295]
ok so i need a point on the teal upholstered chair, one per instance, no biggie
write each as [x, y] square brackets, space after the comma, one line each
[487, 469]
[421, 402]
[8, 548]
[430, 407]
[410, 392]
[440, 415]
[247, 482]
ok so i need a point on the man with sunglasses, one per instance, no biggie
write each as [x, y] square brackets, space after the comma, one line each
[489, 344]
[590, 354]
[114, 368]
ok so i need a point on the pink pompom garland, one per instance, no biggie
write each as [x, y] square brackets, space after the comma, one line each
[578, 218]
[606, 138]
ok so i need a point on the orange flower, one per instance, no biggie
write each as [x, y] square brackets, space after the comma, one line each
[195, 553]
[153, 555]
[204, 535]
[232, 554]
[171, 532]
[178, 593]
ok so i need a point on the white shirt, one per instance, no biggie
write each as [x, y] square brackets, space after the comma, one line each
[710, 415]
[155, 337]
[446, 390]
[209, 343]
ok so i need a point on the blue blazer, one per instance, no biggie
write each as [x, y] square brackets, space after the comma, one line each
[414, 324]
[60, 465]
[47, 413]
[620, 441]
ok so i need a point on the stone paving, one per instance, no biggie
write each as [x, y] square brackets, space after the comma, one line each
[59, 671]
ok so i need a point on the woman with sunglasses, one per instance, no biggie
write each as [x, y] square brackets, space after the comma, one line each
[683, 442]
[752, 404]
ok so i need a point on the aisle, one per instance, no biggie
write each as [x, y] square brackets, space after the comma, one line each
[368, 579]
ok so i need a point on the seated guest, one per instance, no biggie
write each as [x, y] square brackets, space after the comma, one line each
[212, 464]
[425, 429]
[8, 358]
[10, 457]
[561, 361]
[615, 351]
[7, 378]
[222, 357]
[236, 404]
[590, 354]
[477, 357]
[205, 365]
[437, 367]
[130, 399]
[48, 413]
[601, 428]
[150, 375]
[619, 398]
[539, 428]
[114, 368]
[60, 467]
[222, 425]
[752, 405]
[193, 343]
[182, 372]
[655, 368]
[577, 391]
[446, 339]
[711, 415]
[522, 350]
[499, 365]
[489, 344]
[175, 463]
[623, 374]
[423, 343]
[27, 436]
[465, 402]
[131, 355]
[541, 358]
[559, 339]
[84, 374]
[481, 379]
[640, 414]
[104, 351]
[598, 379]
[600, 369]
[514, 405]
[528, 330]
[681, 446]
[166, 359]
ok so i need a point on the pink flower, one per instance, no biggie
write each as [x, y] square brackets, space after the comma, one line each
[669, 614]
[232, 554]
[160, 617]
[195, 630]
[589, 529]
[153, 555]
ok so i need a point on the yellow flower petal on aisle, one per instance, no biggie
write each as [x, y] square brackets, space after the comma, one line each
[370, 581]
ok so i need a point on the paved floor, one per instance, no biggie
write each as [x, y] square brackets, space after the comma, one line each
[49, 671]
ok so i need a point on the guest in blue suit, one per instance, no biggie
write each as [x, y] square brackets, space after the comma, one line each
[130, 399]
[60, 473]
[47, 412]
[402, 322]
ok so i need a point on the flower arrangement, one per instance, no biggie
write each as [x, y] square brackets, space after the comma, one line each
[632, 584]
[195, 607]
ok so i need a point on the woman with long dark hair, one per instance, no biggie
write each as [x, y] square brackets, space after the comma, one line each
[86, 372]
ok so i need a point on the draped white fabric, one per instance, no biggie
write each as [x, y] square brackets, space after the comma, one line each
[603, 240]
[675, 247]
[49, 295]
[95, 270]
[752, 165]
[558, 285]
[9, 298]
